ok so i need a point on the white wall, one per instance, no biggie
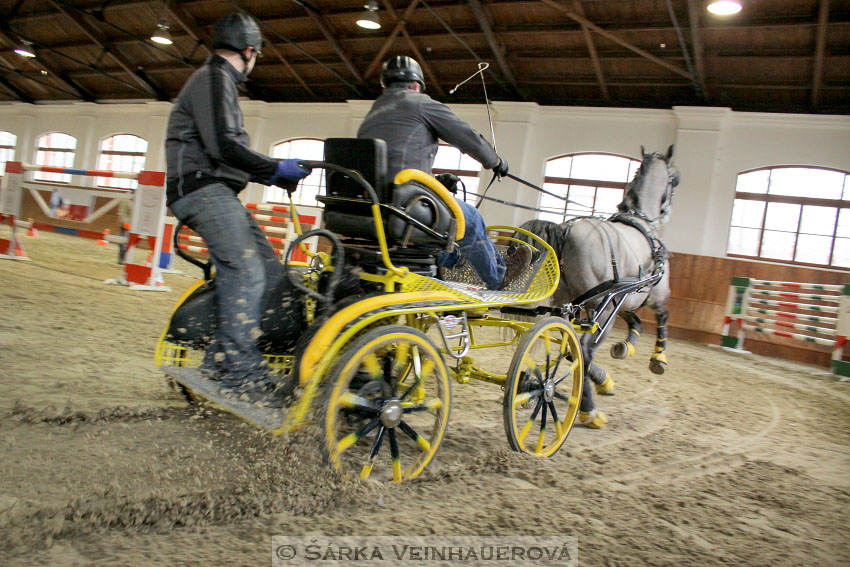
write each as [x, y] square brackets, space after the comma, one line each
[712, 146]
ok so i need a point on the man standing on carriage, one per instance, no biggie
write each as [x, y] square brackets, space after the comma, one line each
[209, 161]
[412, 123]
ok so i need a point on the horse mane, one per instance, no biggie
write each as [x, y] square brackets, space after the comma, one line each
[552, 233]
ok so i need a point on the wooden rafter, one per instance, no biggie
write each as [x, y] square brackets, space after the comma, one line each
[820, 50]
[53, 72]
[617, 39]
[100, 39]
[594, 57]
[694, 11]
[331, 39]
[433, 80]
[492, 41]
[19, 94]
[399, 25]
[179, 14]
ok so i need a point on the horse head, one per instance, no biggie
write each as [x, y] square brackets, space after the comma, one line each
[650, 194]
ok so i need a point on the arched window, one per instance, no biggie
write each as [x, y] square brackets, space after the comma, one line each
[57, 149]
[792, 214]
[593, 183]
[121, 152]
[310, 186]
[7, 149]
[450, 160]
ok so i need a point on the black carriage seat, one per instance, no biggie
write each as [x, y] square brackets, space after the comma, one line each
[418, 221]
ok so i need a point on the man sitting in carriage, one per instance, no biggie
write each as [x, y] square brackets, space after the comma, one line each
[412, 123]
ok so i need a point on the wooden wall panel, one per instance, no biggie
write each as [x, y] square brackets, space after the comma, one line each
[698, 289]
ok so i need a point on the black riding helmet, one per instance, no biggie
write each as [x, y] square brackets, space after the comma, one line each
[237, 31]
[401, 69]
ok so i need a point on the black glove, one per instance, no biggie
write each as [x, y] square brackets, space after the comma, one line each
[501, 168]
[449, 181]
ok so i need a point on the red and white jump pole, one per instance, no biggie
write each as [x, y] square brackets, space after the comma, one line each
[147, 218]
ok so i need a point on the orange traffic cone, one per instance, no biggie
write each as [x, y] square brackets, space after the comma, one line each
[32, 231]
[103, 241]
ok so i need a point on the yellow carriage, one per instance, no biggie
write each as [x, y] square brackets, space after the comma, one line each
[375, 370]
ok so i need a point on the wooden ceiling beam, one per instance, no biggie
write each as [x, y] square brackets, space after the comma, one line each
[100, 39]
[433, 80]
[694, 12]
[594, 57]
[493, 42]
[820, 49]
[399, 25]
[332, 41]
[179, 14]
[617, 39]
[55, 73]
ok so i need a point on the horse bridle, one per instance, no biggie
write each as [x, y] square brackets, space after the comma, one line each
[669, 191]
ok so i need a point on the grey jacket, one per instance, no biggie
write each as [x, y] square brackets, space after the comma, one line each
[206, 141]
[412, 124]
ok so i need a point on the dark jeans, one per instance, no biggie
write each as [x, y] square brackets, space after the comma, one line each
[242, 257]
[478, 249]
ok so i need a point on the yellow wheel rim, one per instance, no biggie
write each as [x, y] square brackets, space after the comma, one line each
[387, 405]
[543, 388]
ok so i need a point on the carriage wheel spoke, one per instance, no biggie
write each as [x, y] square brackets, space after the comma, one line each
[526, 397]
[426, 370]
[555, 419]
[373, 454]
[432, 404]
[373, 365]
[569, 372]
[528, 424]
[395, 455]
[401, 355]
[542, 435]
[421, 441]
[353, 438]
[560, 396]
[352, 400]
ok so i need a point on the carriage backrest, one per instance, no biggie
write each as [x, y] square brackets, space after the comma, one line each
[364, 155]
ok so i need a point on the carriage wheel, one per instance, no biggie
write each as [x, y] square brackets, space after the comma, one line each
[387, 405]
[543, 388]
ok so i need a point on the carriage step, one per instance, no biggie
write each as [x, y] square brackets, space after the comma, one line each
[208, 391]
[585, 326]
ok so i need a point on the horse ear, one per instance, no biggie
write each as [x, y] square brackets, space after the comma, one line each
[642, 151]
[669, 153]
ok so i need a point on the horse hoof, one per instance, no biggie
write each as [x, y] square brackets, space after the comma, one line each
[622, 350]
[593, 420]
[606, 388]
[656, 366]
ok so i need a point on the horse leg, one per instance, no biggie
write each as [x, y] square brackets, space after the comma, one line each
[626, 348]
[658, 360]
[588, 415]
[601, 378]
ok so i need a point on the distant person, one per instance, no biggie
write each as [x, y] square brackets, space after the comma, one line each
[125, 214]
[412, 124]
[209, 161]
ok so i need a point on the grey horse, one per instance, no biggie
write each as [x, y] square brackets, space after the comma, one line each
[597, 255]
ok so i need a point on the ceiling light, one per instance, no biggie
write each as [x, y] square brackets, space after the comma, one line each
[369, 19]
[25, 49]
[724, 7]
[161, 34]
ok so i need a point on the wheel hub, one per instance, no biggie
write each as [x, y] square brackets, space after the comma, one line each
[391, 413]
[549, 390]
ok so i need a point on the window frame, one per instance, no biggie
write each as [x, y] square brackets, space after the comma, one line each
[296, 197]
[115, 182]
[596, 184]
[12, 149]
[767, 198]
[475, 196]
[47, 177]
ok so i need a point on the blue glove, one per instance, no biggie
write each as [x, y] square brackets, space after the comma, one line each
[288, 170]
